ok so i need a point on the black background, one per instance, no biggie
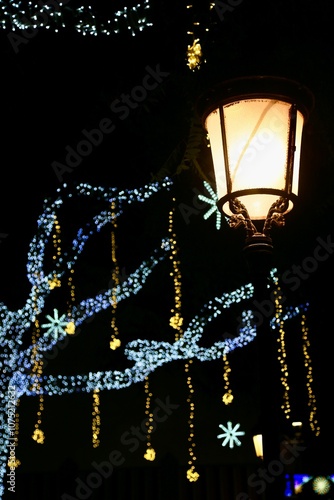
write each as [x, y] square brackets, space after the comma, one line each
[58, 84]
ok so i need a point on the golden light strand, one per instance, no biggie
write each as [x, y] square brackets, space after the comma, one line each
[38, 434]
[192, 475]
[194, 51]
[282, 351]
[96, 420]
[176, 322]
[70, 328]
[115, 341]
[309, 378]
[228, 396]
[150, 452]
[55, 282]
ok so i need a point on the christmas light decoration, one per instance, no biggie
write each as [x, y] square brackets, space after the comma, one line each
[227, 396]
[312, 404]
[115, 341]
[321, 485]
[25, 19]
[20, 363]
[150, 452]
[230, 434]
[279, 321]
[96, 422]
[213, 202]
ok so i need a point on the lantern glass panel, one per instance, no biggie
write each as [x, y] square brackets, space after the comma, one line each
[256, 135]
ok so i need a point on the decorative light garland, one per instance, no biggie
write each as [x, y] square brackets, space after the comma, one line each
[279, 320]
[51, 16]
[115, 341]
[282, 350]
[227, 396]
[21, 367]
[312, 404]
[17, 362]
[150, 451]
[96, 421]
[176, 322]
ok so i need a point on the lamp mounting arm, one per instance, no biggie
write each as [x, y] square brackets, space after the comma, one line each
[275, 215]
[241, 217]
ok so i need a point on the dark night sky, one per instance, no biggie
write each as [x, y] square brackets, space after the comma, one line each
[59, 84]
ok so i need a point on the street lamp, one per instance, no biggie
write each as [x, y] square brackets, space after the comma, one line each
[255, 127]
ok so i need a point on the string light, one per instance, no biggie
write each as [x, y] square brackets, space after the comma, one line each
[18, 17]
[176, 322]
[150, 452]
[309, 378]
[37, 369]
[279, 320]
[96, 421]
[282, 350]
[194, 50]
[115, 341]
[19, 365]
[227, 396]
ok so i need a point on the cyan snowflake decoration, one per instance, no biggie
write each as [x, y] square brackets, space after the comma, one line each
[230, 434]
[56, 326]
[213, 202]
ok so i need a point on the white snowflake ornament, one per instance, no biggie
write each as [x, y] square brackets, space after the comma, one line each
[230, 434]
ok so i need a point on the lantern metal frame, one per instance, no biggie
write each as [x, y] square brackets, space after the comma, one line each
[258, 87]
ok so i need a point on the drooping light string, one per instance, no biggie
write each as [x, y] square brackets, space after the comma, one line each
[96, 420]
[192, 474]
[19, 17]
[150, 451]
[16, 359]
[55, 282]
[279, 321]
[37, 369]
[227, 396]
[199, 25]
[70, 328]
[282, 357]
[194, 50]
[115, 341]
[312, 404]
[146, 356]
[176, 322]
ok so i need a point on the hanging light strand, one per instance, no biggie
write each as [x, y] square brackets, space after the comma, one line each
[96, 420]
[70, 328]
[115, 341]
[309, 377]
[176, 322]
[56, 241]
[37, 369]
[194, 50]
[282, 349]
[150, 452]
[228, 396]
